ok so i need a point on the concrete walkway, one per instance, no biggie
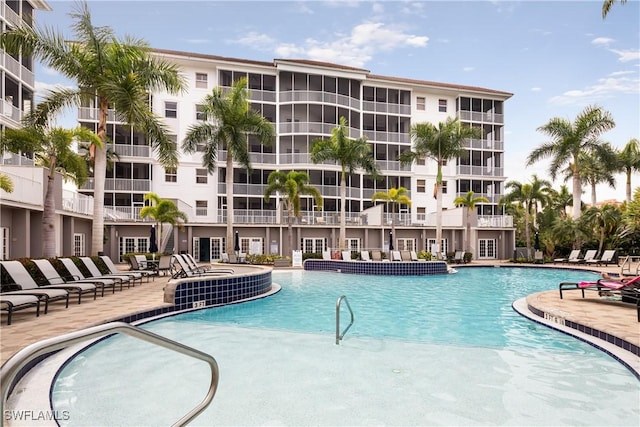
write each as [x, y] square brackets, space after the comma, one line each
[614, 318]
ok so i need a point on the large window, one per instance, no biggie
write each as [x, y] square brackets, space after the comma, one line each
[314, 245]
[78, 244]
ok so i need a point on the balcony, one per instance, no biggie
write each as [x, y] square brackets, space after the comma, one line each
[78, 203]
[18, 70]
[131, 150]
[11, 16]
[383, 107]
[387, 136]
[392, 165]
[314, 128]
[479, 171]
[319, 97]
[479, 116]
[495, 221]
[120, 184]
[26, 190]
[90, 113]
[484, 144]
[493, 198]
[7, 109]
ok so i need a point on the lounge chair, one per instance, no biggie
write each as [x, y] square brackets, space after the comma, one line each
[405, 255]
[628, 288]
[364, 256]
[128, 278]
[346, 255]
[376, 256]
[606, 258]
[53, 277]
[28, 286]
[11, 303]
[458, 256]
[165, 265]
[414, 257]
[140, 266]
[574, 255]
[187, 271]
[538, 257]
[224, 257]
[75, 272]
[115, 270]
[588, 256]
[326, 255]
[395, 256]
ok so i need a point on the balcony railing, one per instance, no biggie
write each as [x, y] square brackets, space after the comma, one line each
[479, 116]
[479, 170]
[499, 221]
[11, 16]
[75, 202]
[9, 110]
[383, 107]
[131, 150]
[120, 184]
[387, 136]
[15, 159]
[392, 165]
[314, 128]
[484, 144]
[25, 190]
[316, 96]
[493, 198]
[90, 113]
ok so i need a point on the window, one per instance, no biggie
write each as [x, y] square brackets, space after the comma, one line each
[487, 248]
[353, 245]
[170, 175]
[444, 187]
[421, 162]
[314, 245]
[442, 105]
[420, 103]
[201, 208]
[200, 114]
[201, 176]
[421, 214]
[406, 244]
[421, 186]
[171, 109]
[128, 245]
[201, 80]
[78, 244]
[432, 242]
[4, 243]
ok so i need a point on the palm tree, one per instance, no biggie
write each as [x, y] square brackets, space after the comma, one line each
[395, 196]
[116, 74]
[603, 220]
[527, 195]
[559, 200]
[606, 6]
[163, 211]
[351, 154]
[569, 229]
[597, 170]
[291, 186]
[441, 143]
[53, 150]
[568, 140]
[629, 161]
[229, 122]
[5, 183]
[469, 201]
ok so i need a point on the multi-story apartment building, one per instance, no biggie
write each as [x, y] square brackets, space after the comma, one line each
[21, 210]
[304, 100]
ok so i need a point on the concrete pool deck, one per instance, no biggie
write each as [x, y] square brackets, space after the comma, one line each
[613, 318]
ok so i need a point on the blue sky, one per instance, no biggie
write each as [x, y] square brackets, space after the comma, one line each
[556, 57]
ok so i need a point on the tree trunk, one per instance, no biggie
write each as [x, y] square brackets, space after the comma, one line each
[99, 179]
[290, 228]
[343, 213]
[577, 195]
[48, 215]
[593, 195]
[527, 231]
[439, 219]
[229, 179]
[628, 185]
[468, 235]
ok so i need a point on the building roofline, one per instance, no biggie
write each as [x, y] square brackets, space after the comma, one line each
[328, 65]
[40, 5]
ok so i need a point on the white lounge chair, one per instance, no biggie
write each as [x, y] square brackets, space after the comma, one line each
[395, 256]
[364, 255]
[588, 256]
[53, 277]
[346, 255]
[326, 255]
[28, 286]
[95, 272]
[11, 303]
[606, 258]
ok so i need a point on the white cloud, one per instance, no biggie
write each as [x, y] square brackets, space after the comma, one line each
[256, 41]
[42, 89]
[626, 55]
[602, 41]
[605, 88]
[302, 7]
[536, 89]
[197, 41]
[377, 8]
[467, 69]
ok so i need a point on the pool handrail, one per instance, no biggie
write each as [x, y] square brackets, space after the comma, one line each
[22, 358]
[339, 335]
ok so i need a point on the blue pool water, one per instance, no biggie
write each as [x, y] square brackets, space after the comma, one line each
[423, 350]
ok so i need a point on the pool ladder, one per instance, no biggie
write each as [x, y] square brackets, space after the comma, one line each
[339, 335]
[22, 358]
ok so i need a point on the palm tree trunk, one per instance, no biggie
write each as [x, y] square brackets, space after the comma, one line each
[527, 231]
[229, 179]
[593, 195]
[468, 235]
[343, 212]
[439, 219]
[628, 185]
[290, 227]
[99, 179]
[48, 216]
[577, 195]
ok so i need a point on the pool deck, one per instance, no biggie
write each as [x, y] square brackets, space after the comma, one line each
[613, 318]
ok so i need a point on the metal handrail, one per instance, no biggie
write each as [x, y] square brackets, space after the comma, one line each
[18, 361]
[339, 336]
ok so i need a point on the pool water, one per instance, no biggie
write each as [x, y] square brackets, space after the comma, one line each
[429, 350]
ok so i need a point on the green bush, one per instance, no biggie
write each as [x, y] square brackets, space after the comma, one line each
[468, 256]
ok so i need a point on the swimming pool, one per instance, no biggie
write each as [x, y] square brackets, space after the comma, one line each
[423, 350]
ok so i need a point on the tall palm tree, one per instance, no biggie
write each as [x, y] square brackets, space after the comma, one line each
[351, 154]
[163, 211]
[469, 201]
[116, 74]
[597, 170]
[629, 162]
[5, 183]
[606, 6]
[395, 196]
[568, 140]
[229, 120]
[559, 200]
[53, 150]
[529, 196]
[570, 230]
[439, 143]
[291, 186]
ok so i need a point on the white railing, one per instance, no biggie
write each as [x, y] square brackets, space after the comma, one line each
[76, 202]
[479, 116]
[383, 107]
[120, 184]
[15, 159]
[479, 170]
[11, 16]
[488, 221]
[90, 113]
[484, 144]
[25, 190]
[131, 150]
[387, 136]
[318, 96]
